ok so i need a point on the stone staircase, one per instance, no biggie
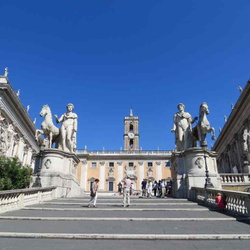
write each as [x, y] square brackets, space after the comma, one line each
[147, 224]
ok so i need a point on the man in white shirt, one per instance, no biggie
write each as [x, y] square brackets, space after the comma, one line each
[126, 191]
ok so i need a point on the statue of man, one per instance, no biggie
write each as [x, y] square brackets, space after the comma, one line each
[183, 129]
[6, 72]
[68, 129]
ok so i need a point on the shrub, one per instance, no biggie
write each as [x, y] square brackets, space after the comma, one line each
[13, 175]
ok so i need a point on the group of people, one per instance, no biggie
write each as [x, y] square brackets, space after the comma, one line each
[160, 188]
[124, 187]
[121, 187]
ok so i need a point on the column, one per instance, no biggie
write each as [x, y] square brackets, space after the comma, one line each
[102, 176]
[25, 154]
[29, 157]
[20, 149]
[141, 174]
[158, 170]
[120, 171]
[83, 181]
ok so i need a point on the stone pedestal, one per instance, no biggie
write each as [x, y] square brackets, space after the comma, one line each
[55, 167]
[195, 167]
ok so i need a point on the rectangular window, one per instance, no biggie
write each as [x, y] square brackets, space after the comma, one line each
[93, 164]
[150, 164]
[130, 164]
[111, 164]
[167, 164]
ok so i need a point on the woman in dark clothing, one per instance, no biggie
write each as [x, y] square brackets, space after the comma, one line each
[155, 187]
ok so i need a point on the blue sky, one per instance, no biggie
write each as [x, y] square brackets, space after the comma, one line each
[105, 56]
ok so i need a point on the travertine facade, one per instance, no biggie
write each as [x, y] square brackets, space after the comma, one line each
[110, 167]
[233, 143]
[17, 131]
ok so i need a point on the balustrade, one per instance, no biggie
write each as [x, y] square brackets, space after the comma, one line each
[234, 178]
[17, 199]
[126, 152]
[237, 202]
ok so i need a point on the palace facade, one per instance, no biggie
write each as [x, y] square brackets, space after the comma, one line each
[233, 143]
[111, 167]
[17, 131]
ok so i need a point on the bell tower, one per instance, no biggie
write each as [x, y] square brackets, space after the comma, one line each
[131, 132]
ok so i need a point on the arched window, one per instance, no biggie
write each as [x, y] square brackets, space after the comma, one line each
[131, 143]
[131, 127]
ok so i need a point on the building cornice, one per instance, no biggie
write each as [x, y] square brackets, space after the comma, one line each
[236, 119]
[12, 107]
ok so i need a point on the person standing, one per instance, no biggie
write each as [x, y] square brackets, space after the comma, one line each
[163, 188]
[93, 193]
[159, 189]
[119, 188]
[155, 188]
[149, 188]
[126, 191]
[143, 187]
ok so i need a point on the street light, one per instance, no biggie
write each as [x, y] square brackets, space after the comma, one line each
[208, 183]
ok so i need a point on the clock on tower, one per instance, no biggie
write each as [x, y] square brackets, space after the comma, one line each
[131, 132]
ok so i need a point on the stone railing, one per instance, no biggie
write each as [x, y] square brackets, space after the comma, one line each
[235, 178]
[125, 152]
[237, 202]
[19, 198]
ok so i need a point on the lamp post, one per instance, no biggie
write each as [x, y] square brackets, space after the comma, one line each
[208, 183]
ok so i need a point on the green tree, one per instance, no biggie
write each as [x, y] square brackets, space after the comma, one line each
[13, 175]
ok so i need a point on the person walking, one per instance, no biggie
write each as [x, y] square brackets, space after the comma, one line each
[126, 191]
[93, 193]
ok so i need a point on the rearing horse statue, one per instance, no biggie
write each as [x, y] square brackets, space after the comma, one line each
[202, 128]
[49, 130]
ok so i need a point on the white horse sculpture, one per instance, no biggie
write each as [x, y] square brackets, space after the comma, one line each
[202, 128]
[49, 130]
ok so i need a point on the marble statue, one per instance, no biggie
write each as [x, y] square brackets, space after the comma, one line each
[246, 140]
[6, 72]
[49, 130]
[203, 126]
[68, 129]
[240, 89]
[18, 93]
[28, 108]
[183, 128]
